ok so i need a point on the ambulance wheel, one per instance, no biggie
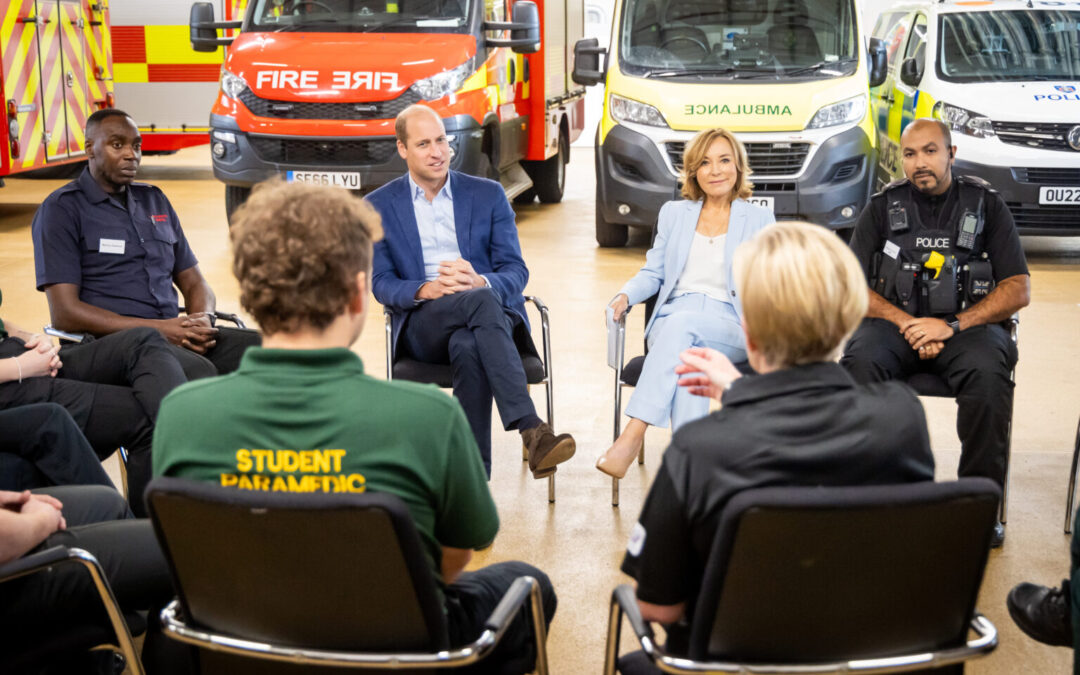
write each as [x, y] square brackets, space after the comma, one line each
[235, 195]
[609, 235]
[549, 176]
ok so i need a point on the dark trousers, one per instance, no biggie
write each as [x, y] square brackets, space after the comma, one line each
[40, 445]
[113, 387]
[475, 334]
[63, 599]
[975, 363]
[473, 597]
[222, 358]
[1074, 593]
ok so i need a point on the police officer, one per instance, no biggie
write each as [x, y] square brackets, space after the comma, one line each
[946, 268]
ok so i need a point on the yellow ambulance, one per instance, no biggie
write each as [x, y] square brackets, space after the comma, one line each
[789, 77]
[1005, 76]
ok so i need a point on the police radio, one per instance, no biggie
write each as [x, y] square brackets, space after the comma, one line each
[971, 226]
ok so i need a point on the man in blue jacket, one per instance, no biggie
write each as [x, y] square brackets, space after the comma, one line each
[450, 269]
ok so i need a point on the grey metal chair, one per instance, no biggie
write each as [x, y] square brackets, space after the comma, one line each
[868, 579]
[114, 636]
[626, 375]
[537, 370]
[1071, 495]
[280, 582]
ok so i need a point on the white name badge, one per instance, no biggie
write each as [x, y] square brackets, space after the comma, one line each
[891, 249]
[114, 246]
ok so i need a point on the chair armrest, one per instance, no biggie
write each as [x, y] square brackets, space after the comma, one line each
[231, 318]
[1013, 324]
[63, 335]
[34, 562]
[545, 333]
[388, 321]
[619, 328]
[626, 598]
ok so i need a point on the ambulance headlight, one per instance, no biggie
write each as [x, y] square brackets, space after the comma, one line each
[627, 110]
[441, 84]
[844, 112]
[232, 85]
[963, 121]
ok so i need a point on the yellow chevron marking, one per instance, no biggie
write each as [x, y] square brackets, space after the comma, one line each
[477, 80]
[7, 26]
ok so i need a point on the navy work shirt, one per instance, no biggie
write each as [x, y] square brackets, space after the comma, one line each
[122, 251]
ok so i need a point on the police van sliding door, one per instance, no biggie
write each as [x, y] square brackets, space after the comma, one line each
[65, 102]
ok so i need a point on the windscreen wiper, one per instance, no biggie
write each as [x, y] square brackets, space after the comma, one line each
[289, 27]
[817, 67]
[691, 72]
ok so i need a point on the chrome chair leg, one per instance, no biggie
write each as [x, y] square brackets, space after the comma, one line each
[1071, 496]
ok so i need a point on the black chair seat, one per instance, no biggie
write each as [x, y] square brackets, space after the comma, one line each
[440, 374]
[928, 384]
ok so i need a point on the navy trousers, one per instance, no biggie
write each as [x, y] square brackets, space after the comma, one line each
[40, 445]
[474, 333]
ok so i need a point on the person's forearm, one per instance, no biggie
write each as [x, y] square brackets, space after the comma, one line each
[1008, 297]
[16, 331]
[664, 614]
[454, 561]
[199, 298]
[880, 308]
[19, 533]
[79, 317]
[10, 371]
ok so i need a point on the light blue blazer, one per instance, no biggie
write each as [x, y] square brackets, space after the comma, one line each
[674, 234]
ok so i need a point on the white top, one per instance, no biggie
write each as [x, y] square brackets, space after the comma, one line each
[704, 269]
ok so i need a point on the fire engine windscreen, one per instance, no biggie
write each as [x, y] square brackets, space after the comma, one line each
[1031, 44]
[352, 16]
[739, 39]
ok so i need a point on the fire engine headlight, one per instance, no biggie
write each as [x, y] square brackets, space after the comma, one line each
[232, 85]
[963, 121]
[446, 82]
[844, 112]
[627, 110]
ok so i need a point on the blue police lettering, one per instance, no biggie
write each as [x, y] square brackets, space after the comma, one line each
[1057, 97]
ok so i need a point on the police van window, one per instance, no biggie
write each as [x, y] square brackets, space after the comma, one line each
[916, 47]
[336, 16]
[886, 23]
[738, 39]
[894, 40]
[1015, 45]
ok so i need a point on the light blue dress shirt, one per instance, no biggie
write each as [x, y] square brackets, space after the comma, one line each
[435, 221]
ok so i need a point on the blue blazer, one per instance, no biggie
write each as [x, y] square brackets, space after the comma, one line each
[674, 234]
[486, 235]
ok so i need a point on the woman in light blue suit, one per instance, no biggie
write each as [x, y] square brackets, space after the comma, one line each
[689, 266]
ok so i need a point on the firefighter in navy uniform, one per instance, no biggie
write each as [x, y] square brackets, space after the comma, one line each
[945, 268]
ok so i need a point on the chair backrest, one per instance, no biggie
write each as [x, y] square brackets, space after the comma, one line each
[799, 575]
[326, 571]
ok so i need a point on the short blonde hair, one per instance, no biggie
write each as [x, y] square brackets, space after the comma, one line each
[694, 156]
[803, 293]
[297, 250]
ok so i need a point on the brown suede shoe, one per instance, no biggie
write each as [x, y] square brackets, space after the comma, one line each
[546, 449]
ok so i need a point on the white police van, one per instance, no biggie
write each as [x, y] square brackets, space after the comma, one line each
[1005, 76]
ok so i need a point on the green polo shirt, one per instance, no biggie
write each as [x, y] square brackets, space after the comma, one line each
[312, 421]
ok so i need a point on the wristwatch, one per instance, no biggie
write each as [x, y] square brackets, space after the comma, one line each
[953, 323]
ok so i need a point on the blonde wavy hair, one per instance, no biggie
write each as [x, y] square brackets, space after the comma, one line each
[694, 157]
[803, 293]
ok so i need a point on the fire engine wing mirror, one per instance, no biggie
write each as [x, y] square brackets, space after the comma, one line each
[524, 29]
[204, 36]
[879, 62]
[587, 70]
[909, 72]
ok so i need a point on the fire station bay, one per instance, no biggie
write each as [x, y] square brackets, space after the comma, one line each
[553, 336]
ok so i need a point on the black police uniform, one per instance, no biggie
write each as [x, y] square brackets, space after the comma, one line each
[968, 234]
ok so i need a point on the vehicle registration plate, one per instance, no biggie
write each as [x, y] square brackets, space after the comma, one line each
[764, 202]
[349, 180]
[1059, 195]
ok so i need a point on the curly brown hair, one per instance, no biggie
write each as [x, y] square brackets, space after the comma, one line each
[297, 250]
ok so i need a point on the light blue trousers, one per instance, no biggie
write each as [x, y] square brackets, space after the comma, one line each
[691, 320]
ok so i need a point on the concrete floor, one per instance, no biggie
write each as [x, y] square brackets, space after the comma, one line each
[579, 540]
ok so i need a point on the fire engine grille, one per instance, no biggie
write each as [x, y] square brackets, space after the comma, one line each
[1047, 175]
[323, 152]
[766, 159]
[309, 110]
[1044, 216]
[1048, 136]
